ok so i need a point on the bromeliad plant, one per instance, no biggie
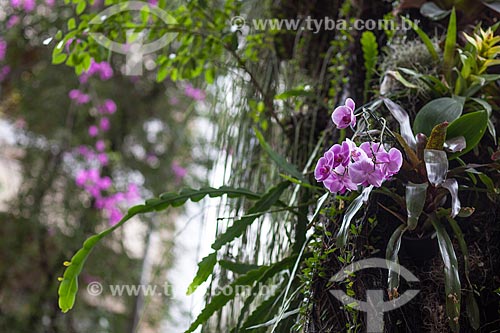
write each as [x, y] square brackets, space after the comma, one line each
[421, 164]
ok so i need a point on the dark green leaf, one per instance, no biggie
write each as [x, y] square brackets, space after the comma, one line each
[451, 275]
[425, 39]
[449, 46]
[436, 112]
[391, 254]
[205, 269]
[471, 126]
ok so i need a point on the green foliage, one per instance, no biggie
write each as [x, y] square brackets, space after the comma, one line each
[472, 127]
[451, 275]
[424, 37]
[255, 276]
[450, 45]
[438, 111]
[69, 284]
[369, 46]
[205, 269]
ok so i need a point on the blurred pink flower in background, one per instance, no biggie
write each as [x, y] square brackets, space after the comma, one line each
[194, 93]
[3, 49]
[178, 171]
[93, 130]
[12, 21]
[104, 124]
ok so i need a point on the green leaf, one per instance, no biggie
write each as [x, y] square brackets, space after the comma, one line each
[471, 126]
[294, 93]
[350, 212]
[391, 254]
[278, 159]
[472, 311]
[259, 209]
[415, 200]
[449, 46]
[82, 4]
[253, 276]
[451, 275]
[69, 283]
[58, 58]
[436, 112]
[237, 267]
[369, 46]
[71, 23]
[205, 269]
[424, 37]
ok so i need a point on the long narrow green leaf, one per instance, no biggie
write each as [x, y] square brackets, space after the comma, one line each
[351, 211]
[450, 45]
[205, 269]
[259, 209]
[278, 159]
[392, 254]
[451, 276]
[69, 283]
[423, 36]
[253, 276]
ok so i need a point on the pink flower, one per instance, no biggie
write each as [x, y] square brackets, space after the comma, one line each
[109, 107]
[12, 21]
[194, 93]
[365, 172]
[4, 72]
[324, 167]
[343, 116]
[16, 3]
[93, 131]
[29, 5]
[179, 171]
[3, 49]
[104, 124]
[102, 158]
[100, 145]
[339, 181]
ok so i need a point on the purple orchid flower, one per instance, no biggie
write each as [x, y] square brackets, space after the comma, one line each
[339, 181]
[324, 166]
[365, 172]
[343, 116]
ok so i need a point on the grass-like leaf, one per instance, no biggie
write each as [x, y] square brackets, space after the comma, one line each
[450, 45]
[424, 37]
[392, 254]
[451, 276]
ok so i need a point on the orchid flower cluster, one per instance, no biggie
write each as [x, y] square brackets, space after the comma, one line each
[346, 166]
